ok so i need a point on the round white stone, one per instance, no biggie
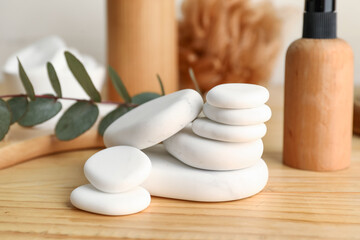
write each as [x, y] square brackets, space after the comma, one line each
[154, 121]
[117, 169]
[237, 95]
[239, 117]
[171, 178]
[90, 199]
[209, 154]
[206, 128]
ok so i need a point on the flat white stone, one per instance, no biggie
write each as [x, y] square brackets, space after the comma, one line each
[154, 121]
[90, 199]
[117, 169]
[240, 117]
[207, 128]
[210, 154]
[237, 95]
[171, 178]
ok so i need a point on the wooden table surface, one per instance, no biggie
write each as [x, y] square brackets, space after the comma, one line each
[296, 204]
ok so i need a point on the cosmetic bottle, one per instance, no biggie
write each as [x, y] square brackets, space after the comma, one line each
[318, 94]
[142, 43]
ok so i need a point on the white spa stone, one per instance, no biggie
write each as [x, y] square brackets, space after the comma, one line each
[237, 95]
[90, 199]
[117, 169]
[240, 117]
[171, 178]
[210, 154]
[206, 128]
[155, 121]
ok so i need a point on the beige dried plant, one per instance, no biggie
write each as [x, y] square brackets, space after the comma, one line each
[226, 41]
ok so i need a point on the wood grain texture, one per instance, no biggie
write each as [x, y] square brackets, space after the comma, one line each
[142, 42]
[296, 204]
[318, 104]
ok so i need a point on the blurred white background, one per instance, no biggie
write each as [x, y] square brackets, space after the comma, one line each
[82, 24]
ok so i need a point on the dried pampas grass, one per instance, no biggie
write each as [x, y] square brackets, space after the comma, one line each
[228, 41]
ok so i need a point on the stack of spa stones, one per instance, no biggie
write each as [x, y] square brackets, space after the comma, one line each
[227, 142]
[229, 137]
[115, 175]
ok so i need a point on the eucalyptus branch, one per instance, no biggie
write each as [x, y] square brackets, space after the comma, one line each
[30, 109]
[71, 99]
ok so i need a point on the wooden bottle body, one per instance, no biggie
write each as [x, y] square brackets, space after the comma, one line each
[142, 42]
[318, 105]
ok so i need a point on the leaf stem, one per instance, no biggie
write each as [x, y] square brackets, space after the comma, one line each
[193, 79]
[70, 99]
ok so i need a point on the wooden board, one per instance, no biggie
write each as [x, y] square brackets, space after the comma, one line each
[296, 204]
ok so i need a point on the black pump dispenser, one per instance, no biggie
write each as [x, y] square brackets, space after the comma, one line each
[320, 19]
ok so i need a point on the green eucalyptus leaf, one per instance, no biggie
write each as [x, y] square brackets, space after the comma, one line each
[76, 120]
[26, 82]
[110, 118]
[144, 97]
[81, 75]
[18, 107]
[39, 111]
[5, 118]
[119, 85]
[161, 84]
[54, 80]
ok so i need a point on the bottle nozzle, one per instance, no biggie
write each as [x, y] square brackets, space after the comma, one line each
[319, 19]
[320, 6]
